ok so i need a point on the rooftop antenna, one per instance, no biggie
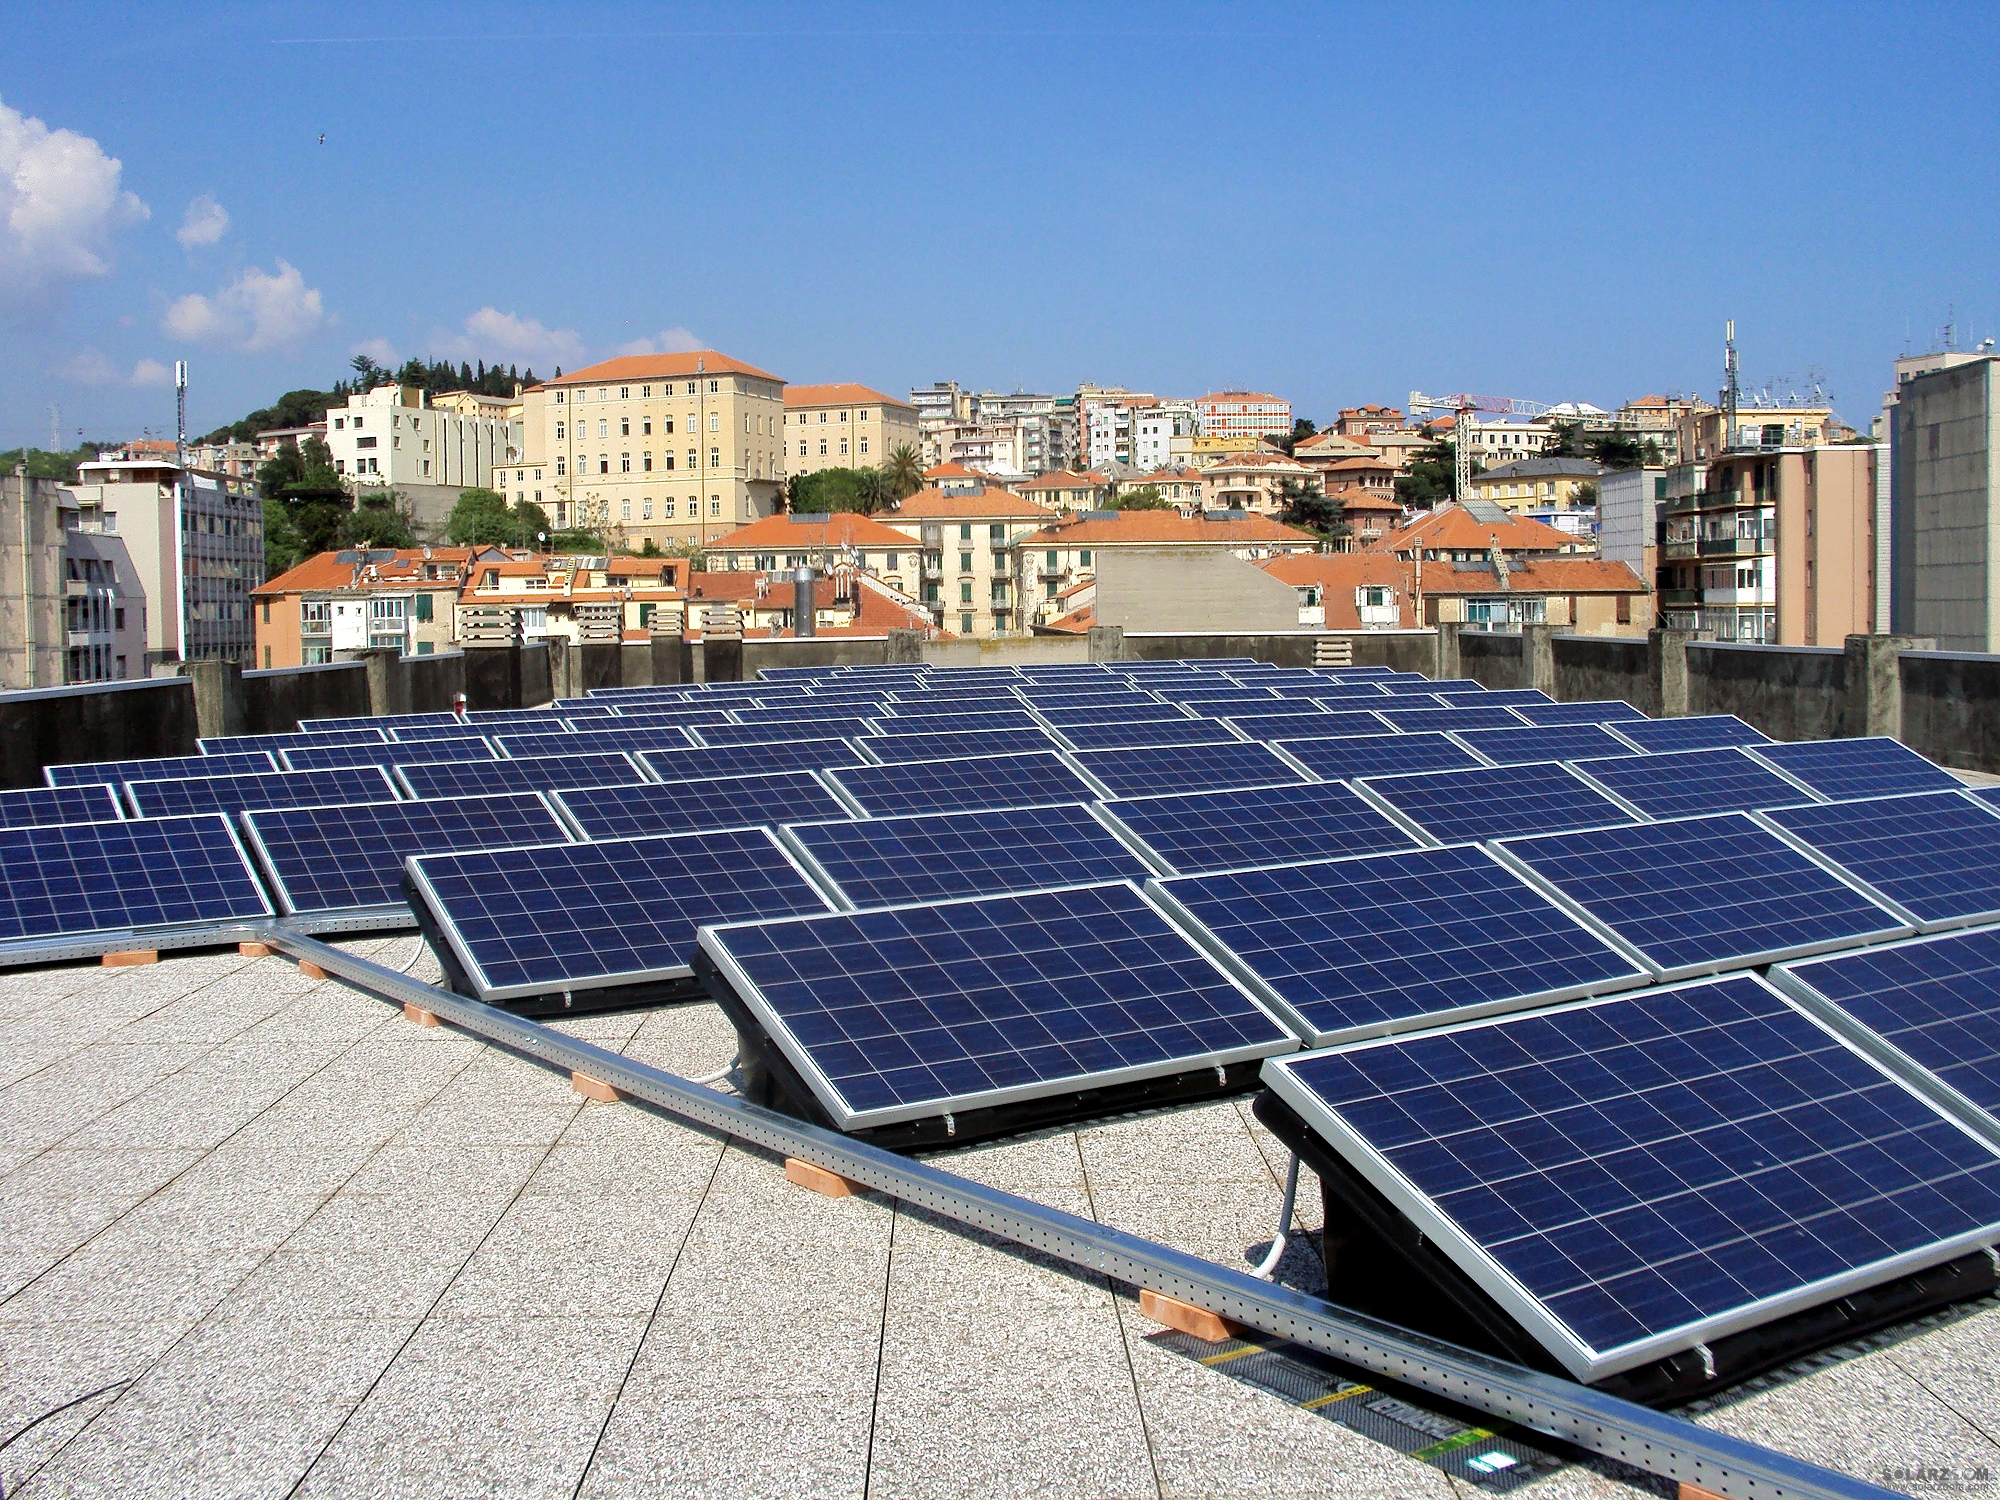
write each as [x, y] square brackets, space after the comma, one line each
[55, 428]
[1730, 394]
[181, 412]
[1948, 335]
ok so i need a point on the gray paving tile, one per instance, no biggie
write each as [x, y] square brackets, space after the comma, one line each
[63, 1362]
[1960, 1365]
[758, 1374]
[469, 1408]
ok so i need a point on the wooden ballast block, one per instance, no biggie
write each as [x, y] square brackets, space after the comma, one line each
[130, 957]
[311, 970]
[1696, 1492]
[594, 1088]
[820, 1180]
[1185, 1316]
[255, 950]
[417, 1015]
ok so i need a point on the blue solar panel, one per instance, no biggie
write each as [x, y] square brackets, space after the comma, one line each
[643, 718]
[1700, 732]
[903, 1013]
[479, 778]
[1435, 720]
[1333, 694]
[743, 760]
[383, 722]
[809, 711]
[1934, 1003]
[1346, 756]
[888, 748]
[779, 730]
[933, 857]
[80, 880]
[1698, 895]
[118, 772]
[1047, 698]
[1634, 1176]
[623, 812]
[1419, 684]
[1497, 698]
[1213, 705]
[342, 859]
[1193, 831]
[578, 917]
[1291, 724]
[1609, 711]
[1520, 747]
[1131, 710]
[974, 721]
[493, 720]
[1027, 780]
[1934, 854]
[611, 735]
[418, 728]
[1693, 781]
[34, 806]
[234, 794]
[314, 758]
[235, 744]
[1132, 736]
[1348, 948]
[1874, 767]
[1456, 806]
[1155, 770]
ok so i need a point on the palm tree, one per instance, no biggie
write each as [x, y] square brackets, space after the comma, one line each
[903, 470]
[872, 490]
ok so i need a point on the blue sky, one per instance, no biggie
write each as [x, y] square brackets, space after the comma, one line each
[1333, 204]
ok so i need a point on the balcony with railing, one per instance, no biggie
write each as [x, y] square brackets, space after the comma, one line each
[1736, 546]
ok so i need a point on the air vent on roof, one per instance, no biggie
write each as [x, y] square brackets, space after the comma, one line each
[812, 517]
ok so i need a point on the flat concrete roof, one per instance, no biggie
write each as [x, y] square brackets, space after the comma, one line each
[264, 1237]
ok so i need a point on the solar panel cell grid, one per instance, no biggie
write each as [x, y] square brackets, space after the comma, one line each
[1635, 1175]
[315, 758]
[1515, 747]
[527, 922]
[773, 731]
[1257, 826]
[78, 880]
[1144, 732]
[741, 760]
[1348, 753]
[1429, 720]
[1358, 947]
[35, 806]
[1501, 698]
[947, 723]
[234, 794]
[1688, 782]
[1936, 855]
[1586, 712]
[480, 777]
[890, 748]
[1699, 895]
[888, 861]
[1875, 767]
[623, 812]
[1026, 780]
[342, 859]
[612, 736]
[1698, 732]
[1135, 710]
[118, 772]
[1153, 770]
[1458, 806]
[273, 743]
[901, 1013]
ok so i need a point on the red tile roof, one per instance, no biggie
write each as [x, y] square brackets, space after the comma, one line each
[655, 366]
[952, 471]
[325, 570]
[991, 503]
[1339, 574]
[1540, 575]
[845, 393]
[1452, 528]
[787, 533]
[1066, 479]
[1166, 528]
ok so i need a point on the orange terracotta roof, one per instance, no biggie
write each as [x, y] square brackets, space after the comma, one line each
[644, 366]
[1066, 479]
[1452, 528]
[1166, 528]
[1354, 497]
[1357, 465]
[325, 570]
[1076, 622]
[786, 533]
[952, 471]
[841, 393]
[1540, 575]
[1339, 574]
[1259, 461]
[991, 503]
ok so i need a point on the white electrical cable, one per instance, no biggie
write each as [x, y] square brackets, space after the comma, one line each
[709, 1080]
[1269, 1264]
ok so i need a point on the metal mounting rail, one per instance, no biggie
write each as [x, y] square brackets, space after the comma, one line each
[1637, 1435]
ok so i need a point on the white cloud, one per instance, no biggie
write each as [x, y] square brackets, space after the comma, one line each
[259, 310]
[667, 341]
[60, 205]
[380, 350]
[89, 367]
[205, 222]
[506, 338]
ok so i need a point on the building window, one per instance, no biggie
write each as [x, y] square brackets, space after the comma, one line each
[559, 468]
[965, 624]
[624, 463]
[843, 447]
[715, 421]
[715, 458]
[965, 593]
[624, 426]
[667, 507]
[646, 509]
[603, 427]
[422, 603]
[1083, 558]
[822, 447]
[996, 536]
[715, 505]
[666, 461]
[666, 424]
[646, 462]
[965, 562]
[646, 427]
[604, 463]
[559, 432]
[624, 510]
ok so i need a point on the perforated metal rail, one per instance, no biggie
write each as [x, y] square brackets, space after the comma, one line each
[1623, 1430]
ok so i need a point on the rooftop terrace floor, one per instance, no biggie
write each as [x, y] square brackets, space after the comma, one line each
[264, 1238]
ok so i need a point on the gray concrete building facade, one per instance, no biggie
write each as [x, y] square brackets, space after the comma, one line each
[1945, 508]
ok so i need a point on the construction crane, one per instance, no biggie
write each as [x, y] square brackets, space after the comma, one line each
[1464, 404]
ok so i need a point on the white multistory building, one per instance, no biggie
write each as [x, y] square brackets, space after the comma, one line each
[426, 448]
[1154, 429]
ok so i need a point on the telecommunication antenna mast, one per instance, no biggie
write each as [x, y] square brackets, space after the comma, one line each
[55, 428]
[181, 412]
[1730, 393]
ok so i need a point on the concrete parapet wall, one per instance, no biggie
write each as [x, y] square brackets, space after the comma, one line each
[814, 651]
[1494, 659]
[1600, 666]
[1287, 648]
[275, 701]
[1951, 707]
[1789, 692]
[95, 721]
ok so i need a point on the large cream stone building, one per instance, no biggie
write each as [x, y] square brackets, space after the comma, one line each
[844, 426]
[671, 448]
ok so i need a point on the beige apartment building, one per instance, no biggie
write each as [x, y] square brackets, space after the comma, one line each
[970, 580]
[844, 426]
[1251, 481]
[1049, 563]
[675, 449]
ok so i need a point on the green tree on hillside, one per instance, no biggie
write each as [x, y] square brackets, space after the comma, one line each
[1302, 503]
[1145, 497]
[483, 518]
[378, 520]
[1431, 479]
